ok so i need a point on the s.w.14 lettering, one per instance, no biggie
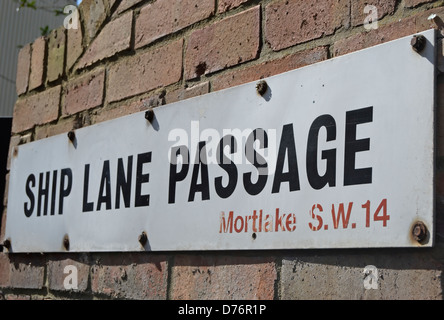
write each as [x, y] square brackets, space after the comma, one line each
[341, 215]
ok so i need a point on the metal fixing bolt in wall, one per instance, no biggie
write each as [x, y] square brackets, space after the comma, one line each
[418, 43]
[66, 242]
[261, 87]
[149, 115]
[7, 244]
[143, 238]
[71, 136]
[419, 231]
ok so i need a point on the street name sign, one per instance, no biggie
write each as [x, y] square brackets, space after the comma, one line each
[339, 154]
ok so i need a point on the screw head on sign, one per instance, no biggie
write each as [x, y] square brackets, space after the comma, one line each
[66, 242]
[149, 115]
[418, 43]
[261, 87]
[71, 136]
[143, 238]
[419, 231]
[7, 244]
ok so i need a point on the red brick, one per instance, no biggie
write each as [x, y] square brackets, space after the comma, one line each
[36, 78]
[131, 276]
[110, 4]
[291, 22]
[146, 71]
[62, 126]
[269, 68]
[17, 297]
[401, 28]
[225, 5]
[94, 14]
[23, 69]
[357, 9]
[85, 92]
[57, 274]
[223, 277]
[105, 114]
[186, 93]
[226, 43]
[126, 4]
[26, 272]
[4, 271]
[422, 21]
[154, 99]
[37, 109]
[114, 38]
[163, 17]
[56, 54]
[382, 34]
[415, 3]
[74, 47]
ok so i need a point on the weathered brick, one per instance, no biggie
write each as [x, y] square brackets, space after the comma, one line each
[415, 3]
[163, 17]
[186, 93]
[94, 15]
[63, 126]
[56, 54]
[114, 38]
[146, 71]
[37, 109]
[23, 69]
[422, 21]
[382, 34]
[17, 297]
[226, 43]
[105, 114]
[400, 276]
[223, 277]
[401, 28]
[4, 270]
[85, 92]
[74, 47]
[131, 276]
[26, 272]
[225, 5]
[358, 15]
[38, 54]
[60, 269]
[291, 22]
[269, 68]
[110, 4]
[154, 99]
[126, 4]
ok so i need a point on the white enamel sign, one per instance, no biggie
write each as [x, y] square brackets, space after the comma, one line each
[338, 154]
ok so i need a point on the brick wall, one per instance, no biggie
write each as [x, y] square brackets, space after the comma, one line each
[76, 78]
